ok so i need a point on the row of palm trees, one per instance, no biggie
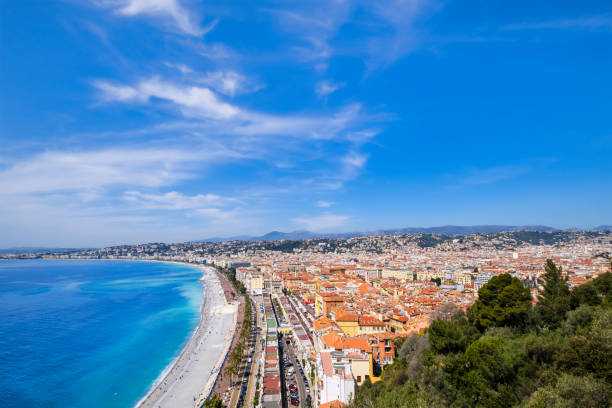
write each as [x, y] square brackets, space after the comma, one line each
[235, 358]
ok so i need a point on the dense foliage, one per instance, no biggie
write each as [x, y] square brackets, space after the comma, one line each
[506, 353]
[236, 357]
[213, 402]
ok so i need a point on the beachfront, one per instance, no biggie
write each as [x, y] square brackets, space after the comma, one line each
[191, 376]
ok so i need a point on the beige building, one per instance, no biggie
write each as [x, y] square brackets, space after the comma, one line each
[462, 278]
[427, 275]
[397, 273]
[256, 283]
[361, 365]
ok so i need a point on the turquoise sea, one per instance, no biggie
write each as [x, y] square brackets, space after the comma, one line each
[91, 333]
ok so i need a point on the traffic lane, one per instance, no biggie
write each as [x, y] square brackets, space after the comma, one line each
[297, 377]
[248, 367]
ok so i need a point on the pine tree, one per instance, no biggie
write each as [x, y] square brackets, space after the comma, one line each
[503, 301]
[554, 299]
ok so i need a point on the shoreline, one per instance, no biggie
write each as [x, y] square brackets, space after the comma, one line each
[190, 377]
[187, 380]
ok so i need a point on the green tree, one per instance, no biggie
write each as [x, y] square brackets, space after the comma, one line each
[591, 353]
[554, 299]
[234, 360]
[594, 292]
[447, 337]
[572, 392]
[214, 401]
[487, 355]
[503, 301]
[577, 320]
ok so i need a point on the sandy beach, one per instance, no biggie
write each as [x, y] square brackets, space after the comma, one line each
[190, 378]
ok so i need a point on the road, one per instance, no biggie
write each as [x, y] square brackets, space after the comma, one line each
[239, 397]
[252, 388]
[297, 378]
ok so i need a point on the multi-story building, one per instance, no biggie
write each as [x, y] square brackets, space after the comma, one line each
[335, 377]
[481, 280]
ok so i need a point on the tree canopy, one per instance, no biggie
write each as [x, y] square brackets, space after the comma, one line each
[554, 299]
[503, 301]
[214, 401]
[493, 359]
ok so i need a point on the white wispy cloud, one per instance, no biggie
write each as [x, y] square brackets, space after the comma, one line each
[193, 100]
[60, 219]
[589, 23]
[182, 68]
[315, 23]
[55, 171]
[228, 118]
[170, 10]
[111, 196]
[490, 175]
[211, 206]
[229, 82]
[317, 26]
[325, 88]
[322, 222]
[172, 200]
[323, 204]
[353, 162]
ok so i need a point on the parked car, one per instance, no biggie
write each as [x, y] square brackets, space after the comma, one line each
[292, 387]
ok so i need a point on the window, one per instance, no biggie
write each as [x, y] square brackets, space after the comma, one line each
[358, 378]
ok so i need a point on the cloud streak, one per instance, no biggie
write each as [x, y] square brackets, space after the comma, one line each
[325, 88]
[172, 200]
[323, 204]
[169, 10]
[491, 175]
[54, 171]
[318, 26]
[193, 100]
[222, 117]
[589, 23]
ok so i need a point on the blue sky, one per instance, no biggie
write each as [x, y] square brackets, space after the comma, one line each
[126, 121]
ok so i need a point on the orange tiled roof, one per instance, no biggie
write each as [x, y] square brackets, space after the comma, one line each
[322, 323]
[346, 317]
[332, 340]
[356, 343]
[369, 321]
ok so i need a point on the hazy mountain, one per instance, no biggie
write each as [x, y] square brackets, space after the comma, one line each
[444, 230]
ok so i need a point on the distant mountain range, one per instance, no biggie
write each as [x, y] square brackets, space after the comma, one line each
[304, 234]
[443, 230]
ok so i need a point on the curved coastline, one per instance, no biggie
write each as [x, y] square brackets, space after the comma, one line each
[187, 380]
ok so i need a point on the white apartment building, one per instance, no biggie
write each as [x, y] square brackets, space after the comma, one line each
[334, 377]
[481, 280]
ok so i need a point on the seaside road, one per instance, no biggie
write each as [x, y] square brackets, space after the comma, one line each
[182, 385]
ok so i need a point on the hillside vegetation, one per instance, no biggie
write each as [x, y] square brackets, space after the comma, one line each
[506, 353]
